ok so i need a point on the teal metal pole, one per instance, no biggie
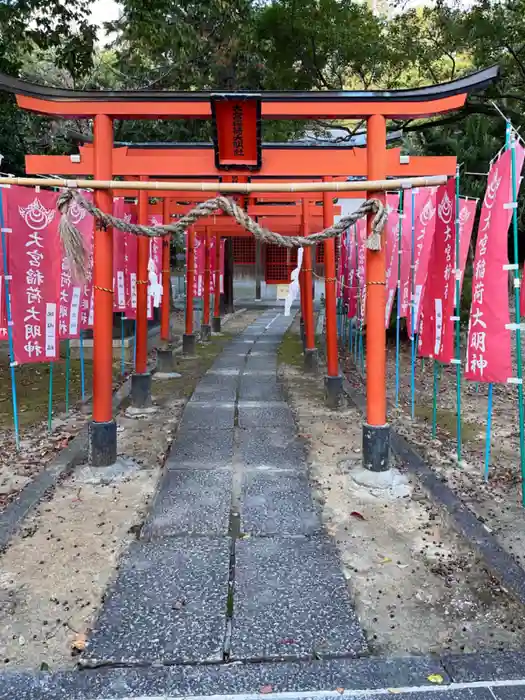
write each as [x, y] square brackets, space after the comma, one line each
[457, 323]
[517, 281]
[398, 294]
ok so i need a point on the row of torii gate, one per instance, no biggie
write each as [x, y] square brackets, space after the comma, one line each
[238, 155]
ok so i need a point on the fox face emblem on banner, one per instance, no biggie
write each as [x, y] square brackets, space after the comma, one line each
[36, 215]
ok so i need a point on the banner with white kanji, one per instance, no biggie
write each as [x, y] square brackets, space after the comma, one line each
[34, 264]
[489, 339]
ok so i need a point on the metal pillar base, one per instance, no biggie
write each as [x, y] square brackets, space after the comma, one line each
[141, 390]
[333, 391]
[302, 333]
[102, 443]
[205, 332]
[376, 447]
[165, 363]
[188, 344]
[216, 324]
[311, 360]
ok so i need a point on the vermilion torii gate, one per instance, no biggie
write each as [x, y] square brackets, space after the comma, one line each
[312, 162]
[236, 119]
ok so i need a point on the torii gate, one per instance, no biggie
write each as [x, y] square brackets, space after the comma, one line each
[183, 162]
[237, 119]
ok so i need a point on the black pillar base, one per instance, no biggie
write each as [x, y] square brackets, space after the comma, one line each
[188, 344]
[102, 444]
[216, 324]
[222, 306]
[311, 360]
[141, 390]
[205, 332]
[165, 363]
[333, 390]
[303, 336]
[376, 447]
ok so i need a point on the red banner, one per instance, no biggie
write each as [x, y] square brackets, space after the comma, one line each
[3, 304]
[424, 227]
[360, 232]
[119, 255]
[130, 266]
[34, 261]
[436, 329]
[467, 214]
[391, 252]
[85, 224]
[75, 300]
[406, 248]
[488, 346]
[352, 274]
[221, 265]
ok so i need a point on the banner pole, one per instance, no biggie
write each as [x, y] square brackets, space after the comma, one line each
[398, 296]
[122, 349]
[413, 309]
[510, 141]
[50, 399]
[82, 368]
[434, 398]
[457, 323]
[488, 433]
[68, 368]
[9, 325]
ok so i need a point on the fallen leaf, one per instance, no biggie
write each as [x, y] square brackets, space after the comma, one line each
[386, 560]
[340, 690]
[44, 666]
[79, 644]
[435, 678]
[357, 515]
[394, 691]
[179, 604]
[265, 689]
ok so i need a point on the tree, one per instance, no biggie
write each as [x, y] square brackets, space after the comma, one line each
[28, 29]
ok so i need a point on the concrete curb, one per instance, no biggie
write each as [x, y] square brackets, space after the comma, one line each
[66, 460]
[299, 680]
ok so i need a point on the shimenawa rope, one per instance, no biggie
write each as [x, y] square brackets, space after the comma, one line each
[75, 250]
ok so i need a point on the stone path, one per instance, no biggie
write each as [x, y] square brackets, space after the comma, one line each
[232, 563]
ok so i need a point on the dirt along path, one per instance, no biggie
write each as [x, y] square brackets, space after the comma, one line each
[38, 444]
[418, 587]
[53, 575]
[496, 502]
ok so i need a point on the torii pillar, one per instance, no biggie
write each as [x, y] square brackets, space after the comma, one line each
[103, 428]
[376, 431]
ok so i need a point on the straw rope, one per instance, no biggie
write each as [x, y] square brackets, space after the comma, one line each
[75, 251]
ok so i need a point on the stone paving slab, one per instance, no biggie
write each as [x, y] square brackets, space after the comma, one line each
[272, 448]
[201, 449]
[207, 415]
[483, 666]
[253, 414]
[254, 389]
[509, 693]
[291, 600]
[167, 605]
[191, 501]
[278, 503]
[261, 363]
